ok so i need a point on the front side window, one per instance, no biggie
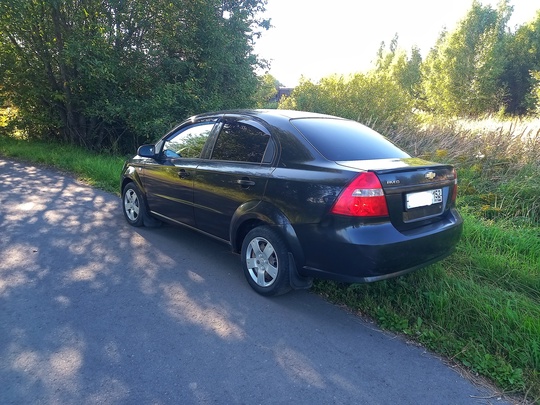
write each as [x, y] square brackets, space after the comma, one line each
[188, 142]
[240, 142]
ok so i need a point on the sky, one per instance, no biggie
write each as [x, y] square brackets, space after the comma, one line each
[317, 38]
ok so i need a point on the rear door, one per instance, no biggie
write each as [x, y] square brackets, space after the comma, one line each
[236, 173]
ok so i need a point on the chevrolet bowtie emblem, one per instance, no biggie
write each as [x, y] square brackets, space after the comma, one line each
[430, 175]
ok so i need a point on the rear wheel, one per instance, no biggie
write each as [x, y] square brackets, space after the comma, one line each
[265, 260]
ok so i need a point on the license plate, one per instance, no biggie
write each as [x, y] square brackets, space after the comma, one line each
[424, 198]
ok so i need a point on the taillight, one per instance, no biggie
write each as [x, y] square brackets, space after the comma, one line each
[454, 190]
[363, 197]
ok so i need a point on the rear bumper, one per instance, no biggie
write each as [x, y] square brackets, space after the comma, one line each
[366, 253]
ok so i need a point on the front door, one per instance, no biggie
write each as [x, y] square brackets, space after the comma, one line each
[168, 181]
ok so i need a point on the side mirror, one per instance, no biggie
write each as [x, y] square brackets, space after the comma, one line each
[147, 151]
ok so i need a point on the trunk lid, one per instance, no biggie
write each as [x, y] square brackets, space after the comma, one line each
[417, 191]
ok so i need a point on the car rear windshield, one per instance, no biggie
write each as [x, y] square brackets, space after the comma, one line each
[342, 140]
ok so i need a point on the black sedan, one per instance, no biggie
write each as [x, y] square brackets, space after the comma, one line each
[298, 195]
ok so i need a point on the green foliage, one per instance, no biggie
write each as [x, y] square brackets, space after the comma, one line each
[520, 77]
[383, 98]
[110, 75]
[463, 71]
[375, 98]
[482, 67]
[267, 90]
[5, 115]
[190, 146]
[535, 95]
[405, 71]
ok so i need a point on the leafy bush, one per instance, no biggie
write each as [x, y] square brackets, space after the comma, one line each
[112, 75]
[373, 99]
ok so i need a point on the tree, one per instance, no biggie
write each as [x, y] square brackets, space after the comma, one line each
[111, 74]
[522, 51]
[404, 70]
[535, 93]
[267, 91]
[374, 98]
[462, 73]
[383, 98]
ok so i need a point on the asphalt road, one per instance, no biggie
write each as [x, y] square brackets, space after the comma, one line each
[93, 311]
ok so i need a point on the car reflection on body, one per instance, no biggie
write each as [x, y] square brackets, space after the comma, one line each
[298, 195]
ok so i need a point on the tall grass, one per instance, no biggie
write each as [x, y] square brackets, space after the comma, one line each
[498, 164]
[479, 307]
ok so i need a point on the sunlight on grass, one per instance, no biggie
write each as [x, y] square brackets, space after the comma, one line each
[98, 170]
[517, 126]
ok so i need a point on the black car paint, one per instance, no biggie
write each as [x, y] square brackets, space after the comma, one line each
[294, 193]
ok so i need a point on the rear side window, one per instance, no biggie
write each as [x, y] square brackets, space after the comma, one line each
[240, 142]
[342, 140]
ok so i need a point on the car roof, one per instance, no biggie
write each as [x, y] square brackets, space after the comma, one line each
[266, 114]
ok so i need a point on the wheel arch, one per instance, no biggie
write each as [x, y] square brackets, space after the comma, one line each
[125, 182]
[257, 213]
[137, 181]
[130, 175]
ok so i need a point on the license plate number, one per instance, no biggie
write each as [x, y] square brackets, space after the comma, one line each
[424, 198]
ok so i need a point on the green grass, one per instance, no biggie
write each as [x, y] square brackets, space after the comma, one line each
[481, 306]
[98, 170]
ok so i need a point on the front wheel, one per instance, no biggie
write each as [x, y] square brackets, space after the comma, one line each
[265, 260]
[133, 205]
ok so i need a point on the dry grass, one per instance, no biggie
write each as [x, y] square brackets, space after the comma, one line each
[498, 162]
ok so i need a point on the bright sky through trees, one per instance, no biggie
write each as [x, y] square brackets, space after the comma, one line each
[316, 38]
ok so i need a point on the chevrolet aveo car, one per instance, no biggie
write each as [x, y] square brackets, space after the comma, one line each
[298, 195]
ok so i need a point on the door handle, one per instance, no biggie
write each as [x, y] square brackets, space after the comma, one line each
[245, 183]
[183, 174]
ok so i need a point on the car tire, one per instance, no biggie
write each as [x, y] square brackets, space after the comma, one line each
[133, 205]
[265, 261]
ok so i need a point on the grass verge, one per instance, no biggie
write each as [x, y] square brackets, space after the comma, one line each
[98, 170]
[479, 307]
